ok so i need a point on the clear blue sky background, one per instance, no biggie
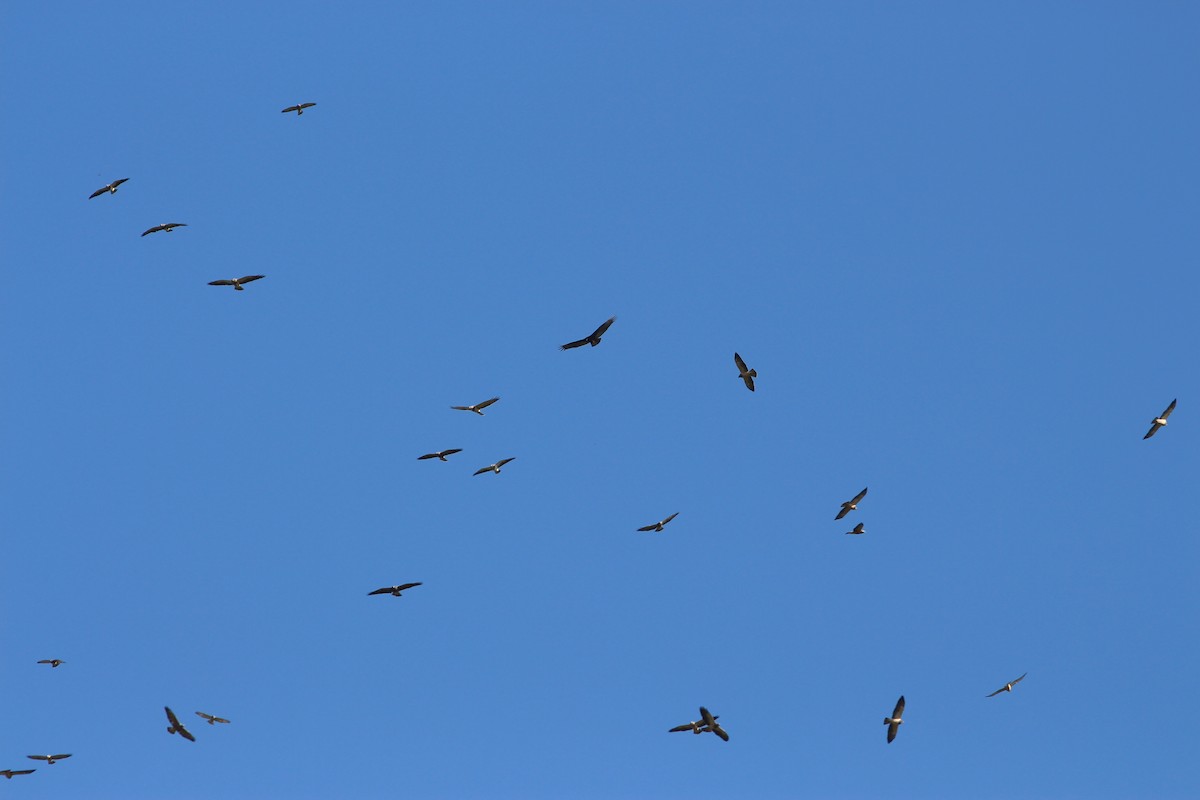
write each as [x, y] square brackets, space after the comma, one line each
[957, 240]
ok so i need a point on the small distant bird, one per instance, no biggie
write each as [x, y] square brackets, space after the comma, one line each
[111, 188]
[747, 375]
[50, 759]
[1008, 686]
[695, 727]
[710, 722]
[478, 407]
[176, 726]
[236, 283]
[893, 722]
[53, 662]
[495, 467]
[857, 529]
[299, 108]
[593, 339]
[166, 226]
[658, 526]
[394, 591]
[8, 773]
[440, 455]
[851, 505]
[210, 719]
[1160, 421]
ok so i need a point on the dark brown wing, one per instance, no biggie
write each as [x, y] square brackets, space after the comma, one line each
[451, 452]
[428, 455]
[97, 193]
[482, 470]
[719, 731]
[486, 403]
[649, 527]
[858, 497]
[998, 691]
[290, 108]
[221, 283]
[709, 719]
[1170, 408]
[171, 225]
[171, 717]
[845, 510]
[19, 771]
[384, 590]
[155, 229]
[307, 105]
[117, 183]
[899, 711]
[1018, 680]
[185, 733]
[569, 345]
[39, 758]
[741, 365]
[404, 586]
[596, 334]
[679, 728]
[60, 756]
[892, 732]
[504, 461]
[249, 278]
[668, 519]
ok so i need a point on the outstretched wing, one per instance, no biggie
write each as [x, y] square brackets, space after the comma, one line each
[60, 756]
[741, 365]
[679, 728]
[221, 282]
[307, 105]
[482, 470]
[290, 108]
[1018, 680]
[248, 278]
[486, 403]
[596, 334]
[1170, 408]
[719, 731]
[1154, 426]
[892, 731]
[452, 452]
[174, 720]
[858, 497]
[404, 586]
[155, 229]
[384, 590]
[117, 183]
[709, 719]
[845, 510]
[98, 192]
[998, 691]
[649, 527]
[668, 519]
[504, 461]
[578, 343]
[39, 758]
[427, 455]
[899, 711]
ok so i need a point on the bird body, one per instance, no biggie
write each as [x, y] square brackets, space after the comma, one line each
[110, 188]
[593, 338]
[747, 375]
[658, 526]
[394, 591]
[176, 726]
[494, 467]
[478, 407]
[894, 721]
[1160, 421]
[236, 283]
[851, 505]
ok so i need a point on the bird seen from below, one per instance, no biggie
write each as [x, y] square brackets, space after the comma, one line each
[110, 189]
[9, 773]
[210, 719]
[50, 759]
[593, 338]
[698, 727]
[851, 505]
[1008, 687]
[166, 226]
[747, 375]
[477, 408]
[894, 721]
[1160, 420]
[494, 467]
[299, 108]
[859, 528]
[236, 283]
[394, 591]
[710, 722]
[440, 455]
[658, 526]
[176, 726]
[53, 662]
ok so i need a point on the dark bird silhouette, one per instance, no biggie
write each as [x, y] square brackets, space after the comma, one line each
[440, 455]
[53, 662]
[494, 467]
[236, 283]
[210, 719]
[697, 727]
[893, 722]
[593, 339]
[747, 375]
[851, 505]
[710, 722]
[394, 591]
[50, 759]
[8, 773]
[478, 407]
[298, 108]
[176, 726]
[111, 188]
[658, 526]
[857, 529]
[166, 226]
[1008, 686]
[1160, 420]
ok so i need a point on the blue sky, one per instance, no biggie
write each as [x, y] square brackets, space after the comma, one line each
[956, 240]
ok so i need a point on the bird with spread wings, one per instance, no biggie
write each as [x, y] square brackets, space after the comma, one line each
[440, 455]
[394, 591]
[747, 375]
[110, 189]
[894, 721]
[1008, 687]
[176, 726]
[210, 719]
[236, 283]
[298, 108]
[658, 526]
[166, 226]
[593, 338]
[495, 467]
[478, 407]
[851, 505]
[1160, 420]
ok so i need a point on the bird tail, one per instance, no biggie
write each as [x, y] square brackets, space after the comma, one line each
[753, 373]
[237, 286]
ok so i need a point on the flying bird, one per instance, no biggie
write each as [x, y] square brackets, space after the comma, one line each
[210, 719]
[851, 505]
[893, 722]
[658, 526]
[50, 759]
[593, 339]
[747, 375]
[298, 108]
[394, 591]
[440, 455]
[1160, 421]
[236, 283]
[478, 407]
[494, 467]
[166, 226]
[857, 529]
[1008, 686]
[710, 722]
[176, 726]
[695, 727]
[53, 662]
[8, 773]
[111, 188]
